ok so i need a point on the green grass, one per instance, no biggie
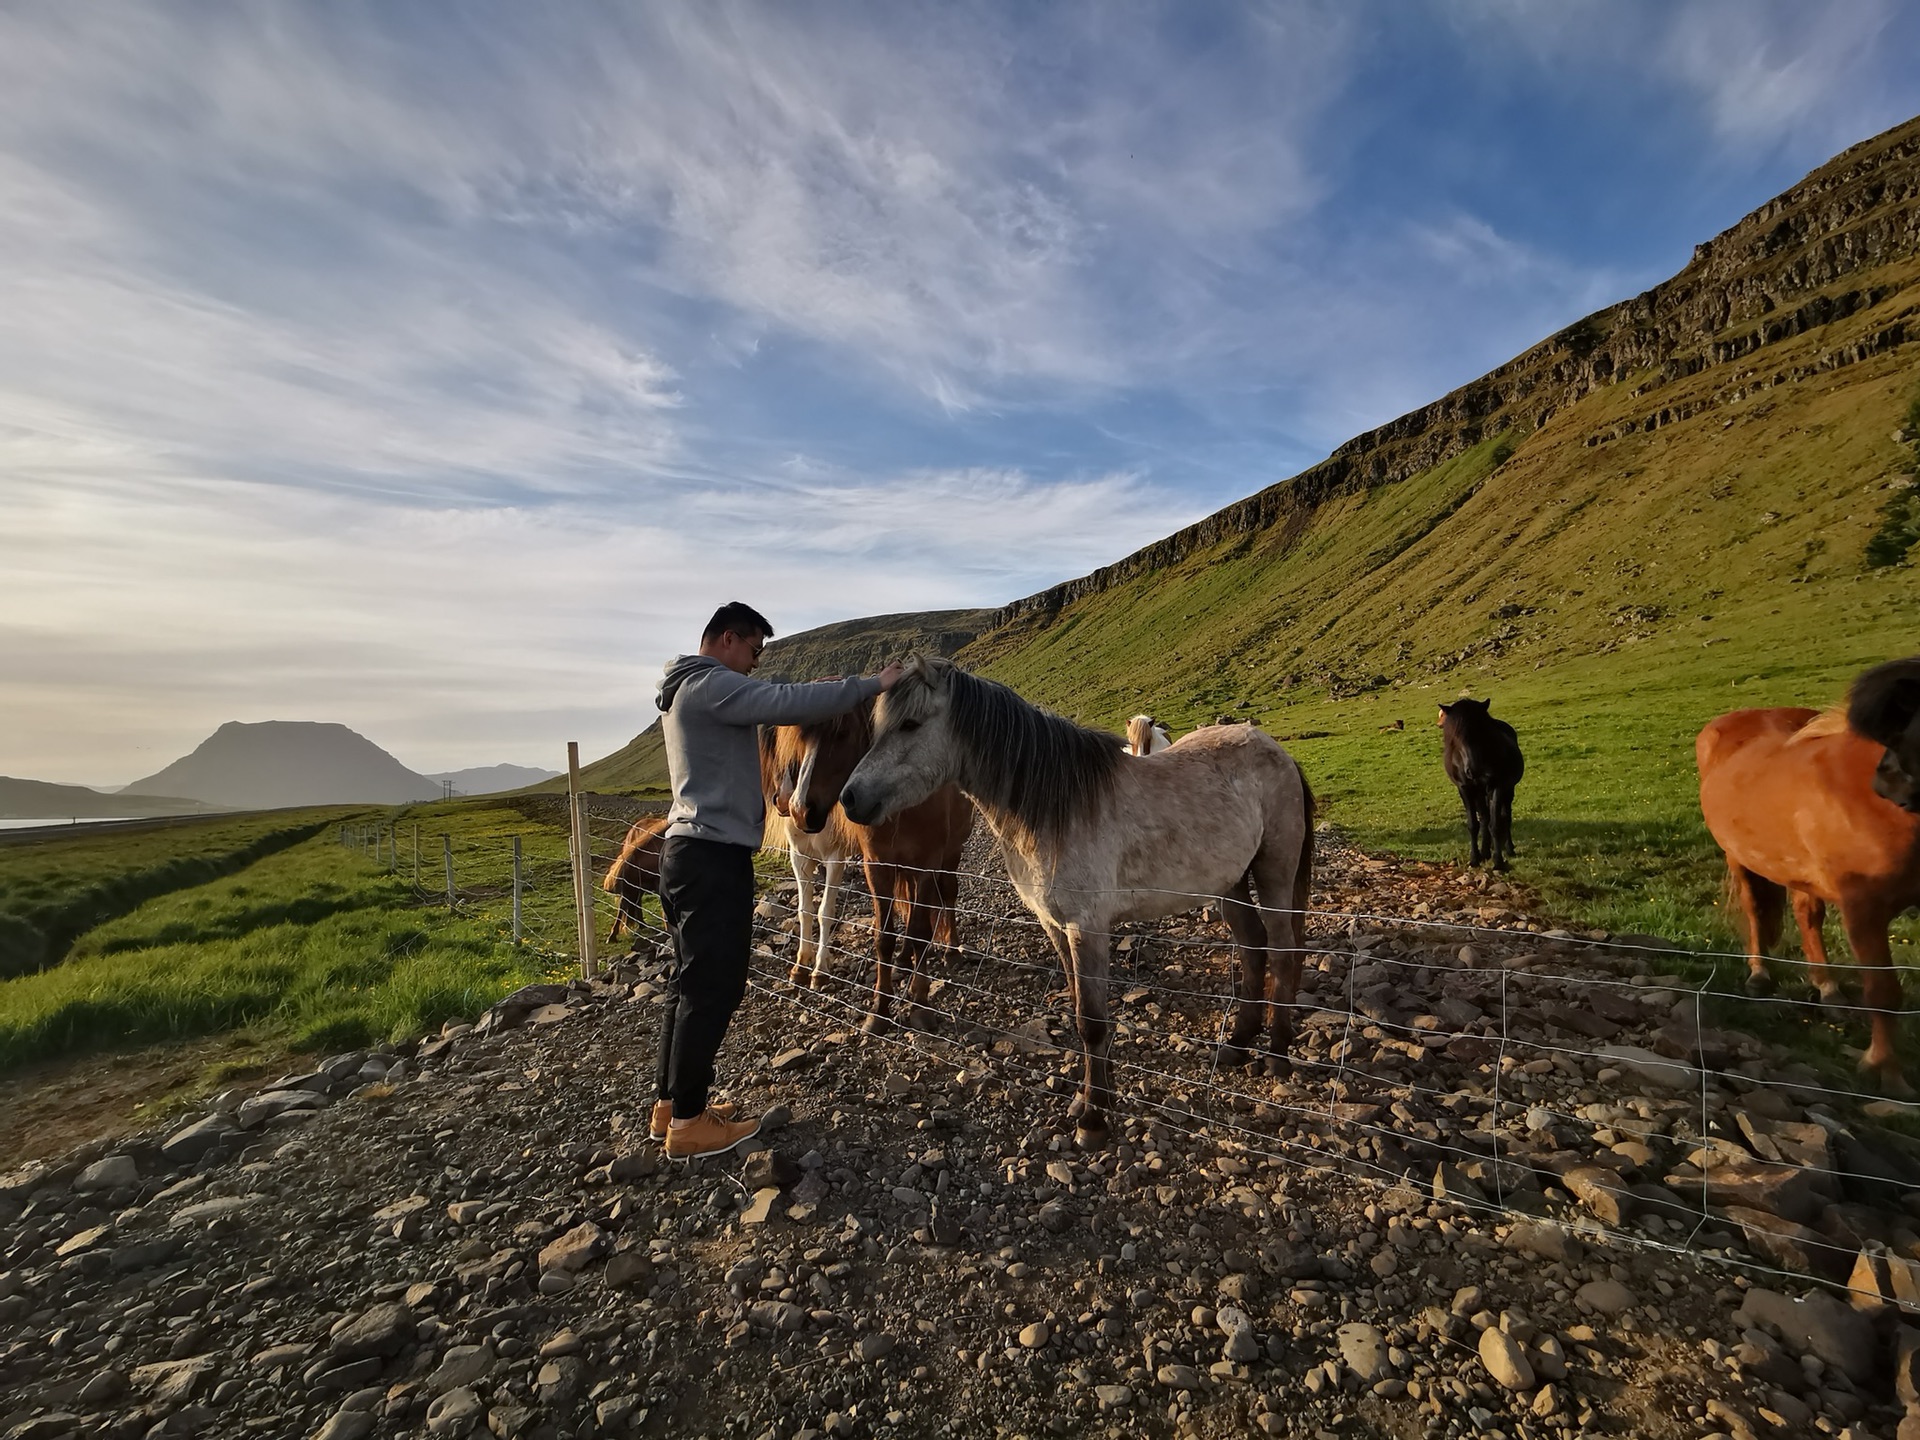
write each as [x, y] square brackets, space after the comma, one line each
[56, 888]
[312, 947]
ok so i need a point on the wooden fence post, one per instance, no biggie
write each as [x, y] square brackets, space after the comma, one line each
[516, 889]
[582, 862]
[446, 842]
[416, 854]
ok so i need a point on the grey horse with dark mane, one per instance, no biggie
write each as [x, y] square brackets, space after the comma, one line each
[1093, 839]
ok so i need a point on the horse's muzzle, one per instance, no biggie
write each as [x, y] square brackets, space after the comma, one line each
[812, 818]
[860, 806]
[1892, 781]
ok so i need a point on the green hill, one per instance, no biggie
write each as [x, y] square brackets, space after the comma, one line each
[1692, 501]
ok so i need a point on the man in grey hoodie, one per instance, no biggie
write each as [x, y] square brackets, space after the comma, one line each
[709, 711]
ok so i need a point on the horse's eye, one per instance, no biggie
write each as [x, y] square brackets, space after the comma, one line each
[910, 724]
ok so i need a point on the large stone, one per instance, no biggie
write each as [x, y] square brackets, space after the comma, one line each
[629, 1267]
[1544, 1240]
[192, 1142]
[1791, 1246]
[382, 1331]
[1658, 1071]
[576, 1249]
[262, 1108]
[1608, 1297]
[1363, 1350]
[1784, 1190]
[116, 1172]
[760, 1210]
[454, 1413]
[1818, 1325]
[1605, 1195]
[463, 1365]
[346, 1425]
[174, 1382]
[1505, 1359]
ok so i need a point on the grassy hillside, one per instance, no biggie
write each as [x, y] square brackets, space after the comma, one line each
[56, 887]
[1696, 500]
[1612, 597]
[305, 945]
[40, 800]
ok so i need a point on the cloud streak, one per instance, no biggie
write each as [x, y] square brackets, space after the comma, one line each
[436, 368]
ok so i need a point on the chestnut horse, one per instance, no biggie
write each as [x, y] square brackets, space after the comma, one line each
[1093, 839]
[912, 859]
[819, 857]
[635, 872]
[1790, 797]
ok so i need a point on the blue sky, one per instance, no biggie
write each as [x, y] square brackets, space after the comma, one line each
[436, 369]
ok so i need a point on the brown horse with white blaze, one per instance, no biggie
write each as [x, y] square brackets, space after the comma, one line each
[1792, 796]
[912, 859]
[1093, 839]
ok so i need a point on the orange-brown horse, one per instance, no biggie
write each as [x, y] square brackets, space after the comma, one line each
[912, 859]
[635, 872]
[1790, 797]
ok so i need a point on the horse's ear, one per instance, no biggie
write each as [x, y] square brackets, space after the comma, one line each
[1884, 701]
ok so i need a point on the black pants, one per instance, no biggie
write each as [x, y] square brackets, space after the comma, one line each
[706, 889]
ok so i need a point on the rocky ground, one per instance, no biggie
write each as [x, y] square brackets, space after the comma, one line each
[1511, 1187]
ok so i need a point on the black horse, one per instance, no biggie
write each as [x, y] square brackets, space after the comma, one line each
[1482, 756]
[1884, 705]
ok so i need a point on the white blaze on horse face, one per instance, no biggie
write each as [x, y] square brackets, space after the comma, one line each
[802, 789]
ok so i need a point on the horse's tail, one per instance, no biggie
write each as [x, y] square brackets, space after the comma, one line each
[1303, 872]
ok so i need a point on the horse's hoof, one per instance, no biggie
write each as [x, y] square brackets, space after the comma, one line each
[1760, 984]
[1231, 1055]
[1092, 1134]
[1279, 1067]
[876, 1024]
[923, 1019]
[1829, 995]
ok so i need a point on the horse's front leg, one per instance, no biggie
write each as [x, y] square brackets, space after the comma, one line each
[1467, 798]
[1810, 913]
[1089, 972]
[806, 956]
[1866, 928]
[915, 949]
[829, 909]
[880, 882]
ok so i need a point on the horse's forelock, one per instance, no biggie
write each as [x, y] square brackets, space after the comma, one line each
[913, 697]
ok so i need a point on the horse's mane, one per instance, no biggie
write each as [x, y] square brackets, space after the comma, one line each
[1883, 702]
[1830, 721]
[1040, 768]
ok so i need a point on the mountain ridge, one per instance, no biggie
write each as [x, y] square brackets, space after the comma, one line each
[273, 764]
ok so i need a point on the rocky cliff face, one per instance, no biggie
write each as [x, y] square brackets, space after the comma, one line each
[859, 647]
[1813, 255]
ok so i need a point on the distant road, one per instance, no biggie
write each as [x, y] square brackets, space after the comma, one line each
[58, 829]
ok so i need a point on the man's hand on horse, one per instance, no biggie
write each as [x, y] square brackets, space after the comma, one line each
[890, 676]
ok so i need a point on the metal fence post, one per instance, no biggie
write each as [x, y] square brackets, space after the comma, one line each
[416, 853]
[516, 889]
[446, 842]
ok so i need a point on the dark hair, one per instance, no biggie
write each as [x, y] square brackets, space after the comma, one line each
[738, 619]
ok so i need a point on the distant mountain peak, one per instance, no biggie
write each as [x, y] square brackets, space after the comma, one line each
[271, 764]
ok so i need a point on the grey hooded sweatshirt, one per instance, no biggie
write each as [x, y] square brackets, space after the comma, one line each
[708, 714]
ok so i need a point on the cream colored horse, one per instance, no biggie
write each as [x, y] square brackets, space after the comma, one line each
[1147, 736]
[1092, 839]
[819, 860]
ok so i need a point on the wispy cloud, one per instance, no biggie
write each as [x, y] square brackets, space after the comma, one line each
[435, 368]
